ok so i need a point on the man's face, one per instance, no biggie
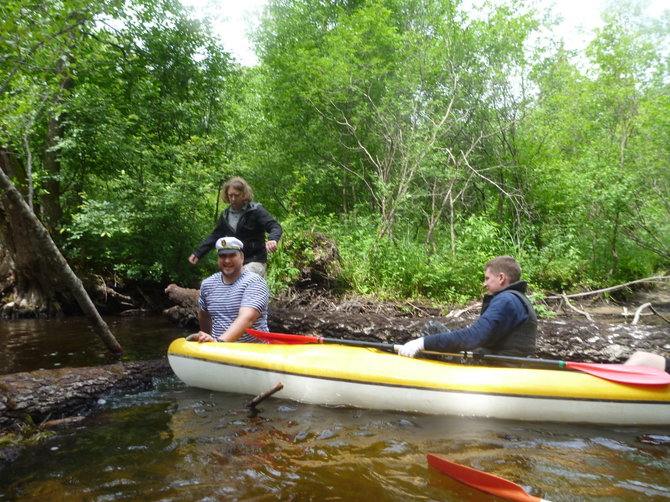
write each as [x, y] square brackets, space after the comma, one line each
[231, 264]
[493, 281]
[235, 198]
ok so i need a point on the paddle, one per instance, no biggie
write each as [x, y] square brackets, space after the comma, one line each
[634, 375]
[481, 480]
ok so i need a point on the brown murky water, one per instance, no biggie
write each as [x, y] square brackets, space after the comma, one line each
[175, 443]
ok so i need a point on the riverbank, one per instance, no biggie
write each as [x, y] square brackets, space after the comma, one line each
[576, 330]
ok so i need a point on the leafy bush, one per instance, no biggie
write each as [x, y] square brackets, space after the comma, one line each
[392, 269]
[145, 235]
[294, 251]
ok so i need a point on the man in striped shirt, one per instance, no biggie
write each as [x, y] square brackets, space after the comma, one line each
[232, 300]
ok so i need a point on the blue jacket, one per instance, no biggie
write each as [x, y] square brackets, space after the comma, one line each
[507, 325]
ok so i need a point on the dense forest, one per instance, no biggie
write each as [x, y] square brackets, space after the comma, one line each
[422, 138]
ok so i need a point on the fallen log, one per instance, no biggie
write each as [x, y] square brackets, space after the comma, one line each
[184, 311]
[53, 260]
[37, 396]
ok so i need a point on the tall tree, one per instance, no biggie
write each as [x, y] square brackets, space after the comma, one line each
[588, 144]
[151, 126]
[31, 71]
[109, 110]
[393, 97]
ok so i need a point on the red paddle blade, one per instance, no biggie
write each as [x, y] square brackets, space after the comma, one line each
[623, 373]
[482, 481]
[283, 338]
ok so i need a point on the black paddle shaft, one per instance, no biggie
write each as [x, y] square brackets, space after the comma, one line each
[389, 347]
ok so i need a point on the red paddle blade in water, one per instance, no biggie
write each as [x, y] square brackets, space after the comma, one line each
[283, 338]
[635, 375]
[482, 481]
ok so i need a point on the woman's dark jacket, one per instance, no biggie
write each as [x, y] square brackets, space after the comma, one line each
[252, 226]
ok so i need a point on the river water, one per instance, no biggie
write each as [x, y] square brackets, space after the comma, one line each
[175, 443]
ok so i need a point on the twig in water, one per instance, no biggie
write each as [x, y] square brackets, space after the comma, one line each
[264, 395]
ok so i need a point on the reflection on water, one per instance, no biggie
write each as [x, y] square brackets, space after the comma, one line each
[30, 344]
[176, 443]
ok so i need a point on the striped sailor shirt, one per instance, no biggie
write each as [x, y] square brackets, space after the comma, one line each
[223, 301]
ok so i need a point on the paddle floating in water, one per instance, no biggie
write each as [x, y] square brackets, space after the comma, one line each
[482, 481]
[634, 375]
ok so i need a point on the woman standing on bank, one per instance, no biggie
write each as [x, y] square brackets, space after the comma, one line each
[246, 220]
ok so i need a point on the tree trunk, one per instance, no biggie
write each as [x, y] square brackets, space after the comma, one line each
[50, 267]
[52, 212]
[10, 165]
[20, 273]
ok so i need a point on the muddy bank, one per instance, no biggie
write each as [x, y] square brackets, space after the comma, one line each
[602, 332]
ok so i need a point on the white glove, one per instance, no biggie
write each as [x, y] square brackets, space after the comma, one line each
[411, 348]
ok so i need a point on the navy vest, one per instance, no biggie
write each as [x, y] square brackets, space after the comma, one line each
[522, 339]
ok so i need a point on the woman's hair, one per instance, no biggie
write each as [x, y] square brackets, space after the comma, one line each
[238, 184]
[507, 265]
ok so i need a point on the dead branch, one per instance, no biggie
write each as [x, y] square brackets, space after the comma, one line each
[651, 307]
[455, 314]
[586, 314]
[264, 395]
[605, 290]
[636, 317]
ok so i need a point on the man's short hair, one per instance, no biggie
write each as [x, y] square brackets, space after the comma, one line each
[505, 264]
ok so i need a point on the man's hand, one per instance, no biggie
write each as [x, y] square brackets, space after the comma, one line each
[271, 246]
[411, 348]
[193, 259]
[202, 337]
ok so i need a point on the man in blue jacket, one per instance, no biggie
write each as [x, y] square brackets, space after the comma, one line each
[507, 324]
[247, 221]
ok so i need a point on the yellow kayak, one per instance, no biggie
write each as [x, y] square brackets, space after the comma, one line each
[339, 375]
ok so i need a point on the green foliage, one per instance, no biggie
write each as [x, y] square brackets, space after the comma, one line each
[145, 235]
[294, 252]
[141, 141]
[419, 137]
[589, 145]
[541, 308]
[559, 264]
[401, 269]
